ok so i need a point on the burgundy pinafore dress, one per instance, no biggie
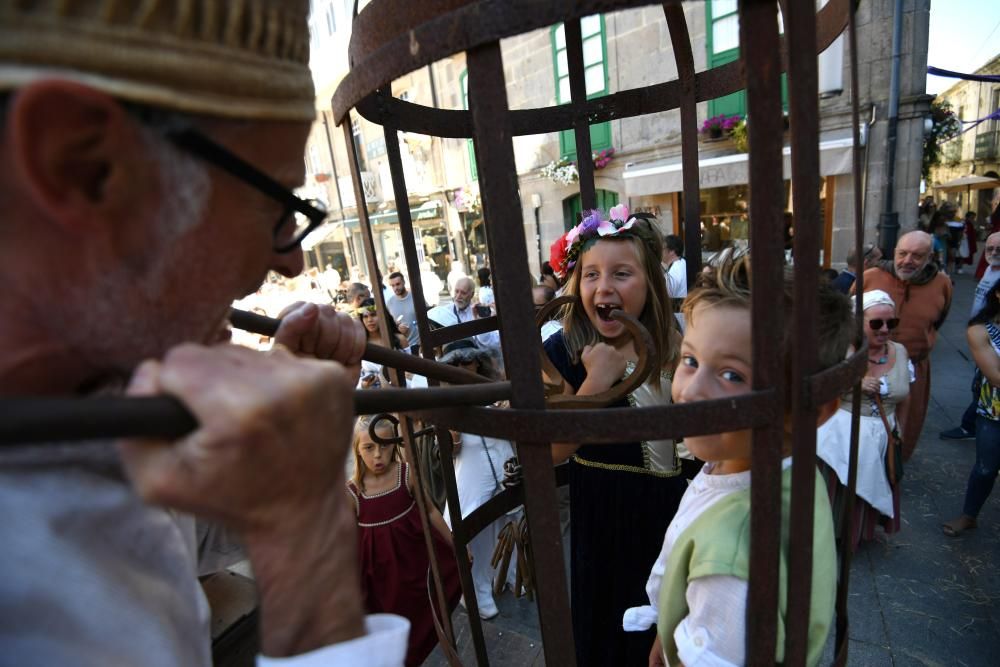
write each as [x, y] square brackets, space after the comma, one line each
[395, 570]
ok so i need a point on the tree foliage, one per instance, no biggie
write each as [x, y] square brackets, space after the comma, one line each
[946, 125]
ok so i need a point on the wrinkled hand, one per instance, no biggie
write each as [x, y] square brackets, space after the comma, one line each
[319, 331]
[403, 328]
[274, 432]
[870, 385]
[605, 365]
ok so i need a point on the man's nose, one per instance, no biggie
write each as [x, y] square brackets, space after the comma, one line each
[288, 264]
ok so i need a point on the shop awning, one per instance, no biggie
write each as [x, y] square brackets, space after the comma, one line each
[665, 176]
[429, 210]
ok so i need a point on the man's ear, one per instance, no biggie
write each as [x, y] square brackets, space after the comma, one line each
[72, 150]
[827, 410]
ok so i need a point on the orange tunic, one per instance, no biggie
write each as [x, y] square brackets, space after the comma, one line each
[921, 306]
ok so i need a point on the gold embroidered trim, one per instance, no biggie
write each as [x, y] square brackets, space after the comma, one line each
[388, 521]
[619, 467]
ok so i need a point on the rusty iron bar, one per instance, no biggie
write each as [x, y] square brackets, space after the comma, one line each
[680, 39]
[803, 107]
[581, 124]
[449, 334]
[44, 419]
[759, 54]
[501, 202]
[402, 199]
[612, 425]
[389, 53]
[842, 633]
[463, 530]
[379, 354]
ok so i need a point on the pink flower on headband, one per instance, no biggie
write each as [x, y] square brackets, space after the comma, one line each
[619, 212]
[608, 227]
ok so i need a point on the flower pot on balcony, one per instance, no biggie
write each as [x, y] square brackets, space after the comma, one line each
[322, 178]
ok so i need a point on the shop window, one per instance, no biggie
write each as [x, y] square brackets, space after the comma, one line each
[573, 207]
[723, 44]
[595, 73]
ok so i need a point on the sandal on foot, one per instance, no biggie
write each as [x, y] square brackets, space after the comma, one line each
[956, 527]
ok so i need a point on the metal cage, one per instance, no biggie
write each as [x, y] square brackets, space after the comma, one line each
[392, 38]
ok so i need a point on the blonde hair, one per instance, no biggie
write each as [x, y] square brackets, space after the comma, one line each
[728, 284]
[656, 315]
[361, 428]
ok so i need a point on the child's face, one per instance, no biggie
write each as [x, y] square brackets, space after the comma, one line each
[715, 363]
[375, 456]
[370, 320]
[611, 276]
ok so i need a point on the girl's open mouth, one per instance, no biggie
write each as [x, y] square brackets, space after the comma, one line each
[604, 311]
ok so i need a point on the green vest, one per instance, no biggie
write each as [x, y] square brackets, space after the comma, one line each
[718, 543]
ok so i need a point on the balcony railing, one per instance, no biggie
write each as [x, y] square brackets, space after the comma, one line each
[986, 145]
[951, 151]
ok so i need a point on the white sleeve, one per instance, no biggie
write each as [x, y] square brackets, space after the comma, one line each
[912, 370]
[383, 645]
[638, 619]
[713, 634]
[489, 339]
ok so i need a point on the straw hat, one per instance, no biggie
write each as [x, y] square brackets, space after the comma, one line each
[244, 59]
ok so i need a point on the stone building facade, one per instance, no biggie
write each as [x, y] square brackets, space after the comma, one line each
[630, 49]
[977, 150]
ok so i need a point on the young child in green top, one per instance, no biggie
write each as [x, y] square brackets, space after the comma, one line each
[699, 582]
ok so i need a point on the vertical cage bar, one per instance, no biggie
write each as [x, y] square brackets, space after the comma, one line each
[684, 57]
[845, 530]
[803, 96]
[501, 203]
[581, 127]
[402, 200]
[759, 54]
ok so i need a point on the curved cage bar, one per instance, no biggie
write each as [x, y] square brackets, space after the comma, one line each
[391, 39]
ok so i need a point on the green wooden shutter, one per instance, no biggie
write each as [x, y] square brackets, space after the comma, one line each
[595, 58]
[473, 167]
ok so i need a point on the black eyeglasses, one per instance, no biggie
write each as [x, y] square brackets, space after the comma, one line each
[299, 217]
[892, 323]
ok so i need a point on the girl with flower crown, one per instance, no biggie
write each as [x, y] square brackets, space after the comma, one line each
[622, 497]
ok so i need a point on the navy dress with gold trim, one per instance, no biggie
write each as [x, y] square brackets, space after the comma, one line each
[621, 503]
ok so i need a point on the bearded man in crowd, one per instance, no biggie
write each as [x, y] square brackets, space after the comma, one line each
[923, 296]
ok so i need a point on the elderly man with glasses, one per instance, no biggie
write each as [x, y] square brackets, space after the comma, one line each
[148, 152]
[922, 296]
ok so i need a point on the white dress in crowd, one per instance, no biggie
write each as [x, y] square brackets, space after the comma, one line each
[833, 439]
[478, 473]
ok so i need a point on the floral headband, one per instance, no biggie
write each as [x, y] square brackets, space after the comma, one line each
[361, 311]
[567, 249]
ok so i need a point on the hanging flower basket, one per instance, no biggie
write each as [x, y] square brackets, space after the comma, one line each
[719, 127]
[562, 171]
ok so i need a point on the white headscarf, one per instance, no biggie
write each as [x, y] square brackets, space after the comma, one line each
[876, 297]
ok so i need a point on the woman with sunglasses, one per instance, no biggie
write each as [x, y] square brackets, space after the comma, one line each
[885, 386]
[371, 373]
[983, 335]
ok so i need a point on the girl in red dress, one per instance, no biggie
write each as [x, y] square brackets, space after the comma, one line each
[395, 569]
